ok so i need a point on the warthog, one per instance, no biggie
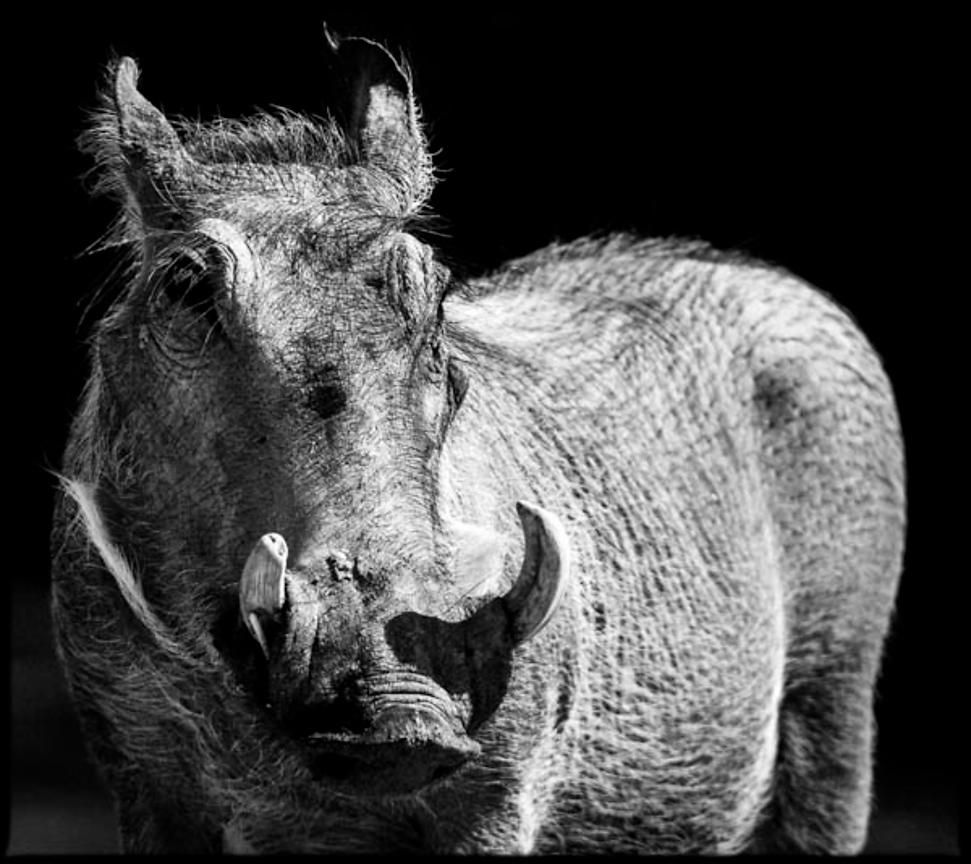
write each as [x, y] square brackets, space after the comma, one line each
[594, 553]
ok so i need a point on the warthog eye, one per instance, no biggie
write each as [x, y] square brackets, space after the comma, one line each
[189, 284]
[436, 360]
[441, 373]
[458, 384]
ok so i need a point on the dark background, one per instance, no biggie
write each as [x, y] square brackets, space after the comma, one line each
[796, 139]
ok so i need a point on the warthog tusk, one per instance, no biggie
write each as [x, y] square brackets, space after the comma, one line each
[261, 586]
[534, 598]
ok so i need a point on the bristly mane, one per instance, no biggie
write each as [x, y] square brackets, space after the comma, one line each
[284, 137]
[276, 142]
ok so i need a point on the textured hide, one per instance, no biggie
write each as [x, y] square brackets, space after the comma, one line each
[717, 438]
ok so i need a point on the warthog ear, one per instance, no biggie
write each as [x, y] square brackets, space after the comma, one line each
[146, 137]
[141, 156]
[378, 111]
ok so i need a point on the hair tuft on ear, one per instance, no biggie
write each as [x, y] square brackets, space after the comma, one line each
[380, 115]
[138, 157]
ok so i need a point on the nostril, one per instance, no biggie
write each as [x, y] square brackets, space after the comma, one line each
[340, 716]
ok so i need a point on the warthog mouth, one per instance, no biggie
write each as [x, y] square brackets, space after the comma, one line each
[408, 749]
[400, 734]
[366, 766]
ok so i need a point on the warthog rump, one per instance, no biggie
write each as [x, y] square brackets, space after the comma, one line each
[594, 553]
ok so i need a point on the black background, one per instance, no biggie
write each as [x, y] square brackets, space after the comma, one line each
[797, 139]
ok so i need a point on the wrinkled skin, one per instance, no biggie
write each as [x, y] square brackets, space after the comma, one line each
[295, 602]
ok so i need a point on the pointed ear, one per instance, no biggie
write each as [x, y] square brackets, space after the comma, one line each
[146, 137]
[140, 155]
[378, 110]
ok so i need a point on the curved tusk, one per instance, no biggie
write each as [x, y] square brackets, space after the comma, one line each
[536, 594]
[261, 585]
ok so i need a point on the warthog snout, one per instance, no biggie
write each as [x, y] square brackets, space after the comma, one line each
[378, 695]
[389, 734]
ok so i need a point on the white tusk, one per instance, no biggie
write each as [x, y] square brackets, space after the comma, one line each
[543, 578]
[261, 586]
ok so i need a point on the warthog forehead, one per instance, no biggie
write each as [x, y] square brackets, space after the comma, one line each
[309, 229]
[388, 267]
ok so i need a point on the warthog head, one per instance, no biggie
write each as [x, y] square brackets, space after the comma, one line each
[280, 381]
